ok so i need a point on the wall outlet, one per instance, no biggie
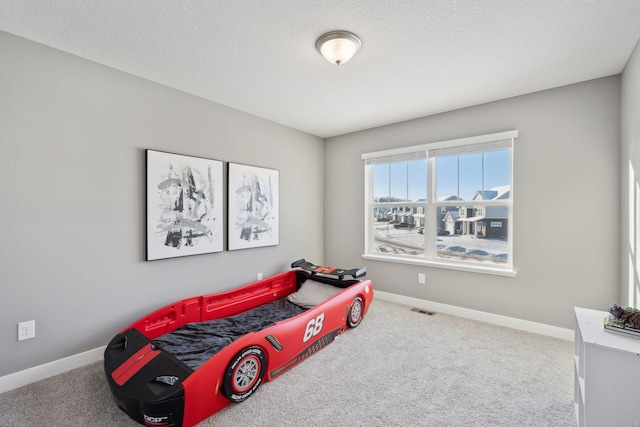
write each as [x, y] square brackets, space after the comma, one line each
[422, 279]
[259, 276]
[26, 330]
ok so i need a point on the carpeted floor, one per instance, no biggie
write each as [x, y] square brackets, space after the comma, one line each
[398, 368]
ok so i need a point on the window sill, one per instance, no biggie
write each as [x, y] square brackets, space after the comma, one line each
[445, 265]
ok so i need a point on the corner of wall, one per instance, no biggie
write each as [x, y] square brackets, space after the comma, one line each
[630, 181]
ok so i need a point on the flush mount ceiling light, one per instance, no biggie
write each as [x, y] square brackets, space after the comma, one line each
[338, 47]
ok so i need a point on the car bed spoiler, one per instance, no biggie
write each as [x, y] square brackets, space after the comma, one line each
[356, 273]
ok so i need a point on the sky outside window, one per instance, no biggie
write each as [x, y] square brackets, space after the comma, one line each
[402, 181]
[463, 175]
[459, 175]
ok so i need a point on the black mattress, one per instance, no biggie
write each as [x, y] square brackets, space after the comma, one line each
[195, 343]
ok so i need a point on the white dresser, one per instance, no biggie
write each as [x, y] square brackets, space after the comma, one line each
[607, 373]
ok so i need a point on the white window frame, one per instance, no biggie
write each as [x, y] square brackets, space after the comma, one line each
[430, 259]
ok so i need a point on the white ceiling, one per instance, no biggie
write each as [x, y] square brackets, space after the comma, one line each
[419, 57]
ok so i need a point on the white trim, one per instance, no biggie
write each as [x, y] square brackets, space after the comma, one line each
[41, 372]
[481, 316]
[430, 256]
[470, 267]
[367, 212]
[510, 134]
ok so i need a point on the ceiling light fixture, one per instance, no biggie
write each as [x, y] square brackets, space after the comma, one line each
[338, 47]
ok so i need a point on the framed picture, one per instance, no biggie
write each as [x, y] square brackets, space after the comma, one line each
[254, 199]
[184, 205]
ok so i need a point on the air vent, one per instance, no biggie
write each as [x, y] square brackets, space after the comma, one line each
[419, 310]
[274, 342]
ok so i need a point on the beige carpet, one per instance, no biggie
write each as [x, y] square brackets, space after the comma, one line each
[398, 368]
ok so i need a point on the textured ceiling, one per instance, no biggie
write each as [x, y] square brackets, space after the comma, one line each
[419, 57]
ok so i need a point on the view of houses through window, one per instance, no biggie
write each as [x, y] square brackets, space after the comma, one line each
[446, 204]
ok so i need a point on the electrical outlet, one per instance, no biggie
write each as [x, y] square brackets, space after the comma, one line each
[26, 330]
[259, 276]
[422, 279]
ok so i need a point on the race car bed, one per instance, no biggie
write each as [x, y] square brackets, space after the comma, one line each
[187, 360]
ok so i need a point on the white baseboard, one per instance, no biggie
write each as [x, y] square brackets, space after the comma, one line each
[494, 319]
[37, 373]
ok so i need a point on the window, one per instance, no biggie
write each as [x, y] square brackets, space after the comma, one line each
[446, 204]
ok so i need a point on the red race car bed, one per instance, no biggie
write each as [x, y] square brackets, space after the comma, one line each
[185, 361]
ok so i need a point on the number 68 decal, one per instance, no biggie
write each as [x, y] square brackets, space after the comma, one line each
[313, 327]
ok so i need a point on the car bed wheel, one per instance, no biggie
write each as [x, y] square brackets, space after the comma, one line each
[355, 312]
[244, 374]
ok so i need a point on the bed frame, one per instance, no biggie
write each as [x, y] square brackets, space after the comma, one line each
[156, 388]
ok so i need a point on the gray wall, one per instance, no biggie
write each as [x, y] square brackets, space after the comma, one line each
[630, 182]
[72, 141]
[566, 204]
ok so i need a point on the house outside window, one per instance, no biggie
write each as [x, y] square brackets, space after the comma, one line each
[447, 204]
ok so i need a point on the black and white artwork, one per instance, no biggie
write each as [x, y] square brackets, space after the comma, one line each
[184, 205]
[254, 199]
